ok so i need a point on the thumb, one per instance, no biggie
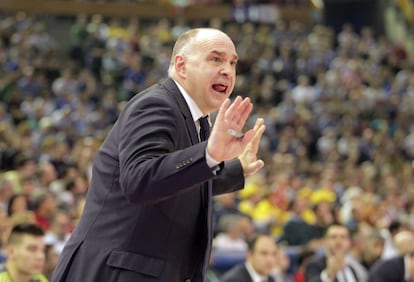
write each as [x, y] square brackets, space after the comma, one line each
[253, 167]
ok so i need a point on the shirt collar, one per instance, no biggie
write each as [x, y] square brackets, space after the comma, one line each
[256, 277]
[407, 268]
[196, 112]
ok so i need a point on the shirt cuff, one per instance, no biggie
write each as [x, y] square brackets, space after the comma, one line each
[212, 163]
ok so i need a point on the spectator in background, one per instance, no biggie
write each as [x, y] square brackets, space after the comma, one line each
[59, 232]
[303, 259]
[296, 231]
[308, 221]
[6, 191]
[75, 190]
[4, 234]
[225, 204]
[400, 267]
[78, 36]
[395, 269]
[44, 209]
[324, 217]
[66, 83]
[251, 195]
[260, 262]
[25, 254]
[46, 175]
[367, 245]
[42, 41]
[335, 263]
[134, 76]
[390, 249]
[404, 242]
[52, 256]
[282, 265]
[17, 203]
[230, 244]
[24, 165]
[29, 186]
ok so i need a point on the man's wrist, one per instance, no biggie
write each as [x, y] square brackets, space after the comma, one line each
[212, 163]
[324, 277]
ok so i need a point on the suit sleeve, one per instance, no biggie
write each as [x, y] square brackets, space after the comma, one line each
[229, 179]
[376, 274]
[156, 158]
[313, 270]
[388, 270]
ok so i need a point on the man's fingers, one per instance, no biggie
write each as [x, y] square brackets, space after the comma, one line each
[245, 109]
[254, 167]
[232, 109]
[223, 108]
[258, 123]
[259, 129]
[241, 111]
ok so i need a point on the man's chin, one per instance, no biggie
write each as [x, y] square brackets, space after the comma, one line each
[216, 101]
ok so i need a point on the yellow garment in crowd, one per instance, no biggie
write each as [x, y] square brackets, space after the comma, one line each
[268, 214]
[5, 277]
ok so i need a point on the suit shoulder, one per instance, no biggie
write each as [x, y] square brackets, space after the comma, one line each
[383, 266]
[237, 273]
[154, 98]
[154, 92]
[317, 259]
[165, 91]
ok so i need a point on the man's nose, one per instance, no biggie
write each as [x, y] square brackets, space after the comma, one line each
[227, 69]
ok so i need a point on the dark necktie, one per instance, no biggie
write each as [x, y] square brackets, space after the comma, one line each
[204, 128]
[207, 194]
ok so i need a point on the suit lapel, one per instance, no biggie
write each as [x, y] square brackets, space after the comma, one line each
[173, 90]
[206, 192]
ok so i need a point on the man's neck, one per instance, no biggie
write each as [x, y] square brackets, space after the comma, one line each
[411, 268]
[15, 275]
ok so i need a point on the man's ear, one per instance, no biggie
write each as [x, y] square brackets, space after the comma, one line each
[248, 255]
[10, 250]
[180, 65]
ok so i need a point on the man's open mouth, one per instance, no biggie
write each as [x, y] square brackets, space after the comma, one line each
[220, 88]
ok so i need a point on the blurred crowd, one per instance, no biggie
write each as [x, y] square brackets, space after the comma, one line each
[183, 3]
[338, 146]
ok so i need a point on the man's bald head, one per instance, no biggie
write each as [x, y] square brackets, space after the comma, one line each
[404, 241]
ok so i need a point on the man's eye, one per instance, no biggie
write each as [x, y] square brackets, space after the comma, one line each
[216, 59]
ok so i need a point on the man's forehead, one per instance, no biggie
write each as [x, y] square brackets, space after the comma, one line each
[265, 243]
[337, 230]
[31, 239]
[224, 53]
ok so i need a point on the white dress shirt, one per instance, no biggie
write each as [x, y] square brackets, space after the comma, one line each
[256, 277]
[196, 113]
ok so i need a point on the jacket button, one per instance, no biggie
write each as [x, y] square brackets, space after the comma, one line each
[187, 280]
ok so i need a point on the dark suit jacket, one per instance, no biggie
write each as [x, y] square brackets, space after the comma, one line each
[314, 268]
[317, 264]
[238, 273]
[389, 270]
[145, 217]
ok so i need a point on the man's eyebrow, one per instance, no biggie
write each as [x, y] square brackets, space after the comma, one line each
[235, 57]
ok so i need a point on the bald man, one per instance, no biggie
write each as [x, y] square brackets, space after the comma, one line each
[148, 211]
